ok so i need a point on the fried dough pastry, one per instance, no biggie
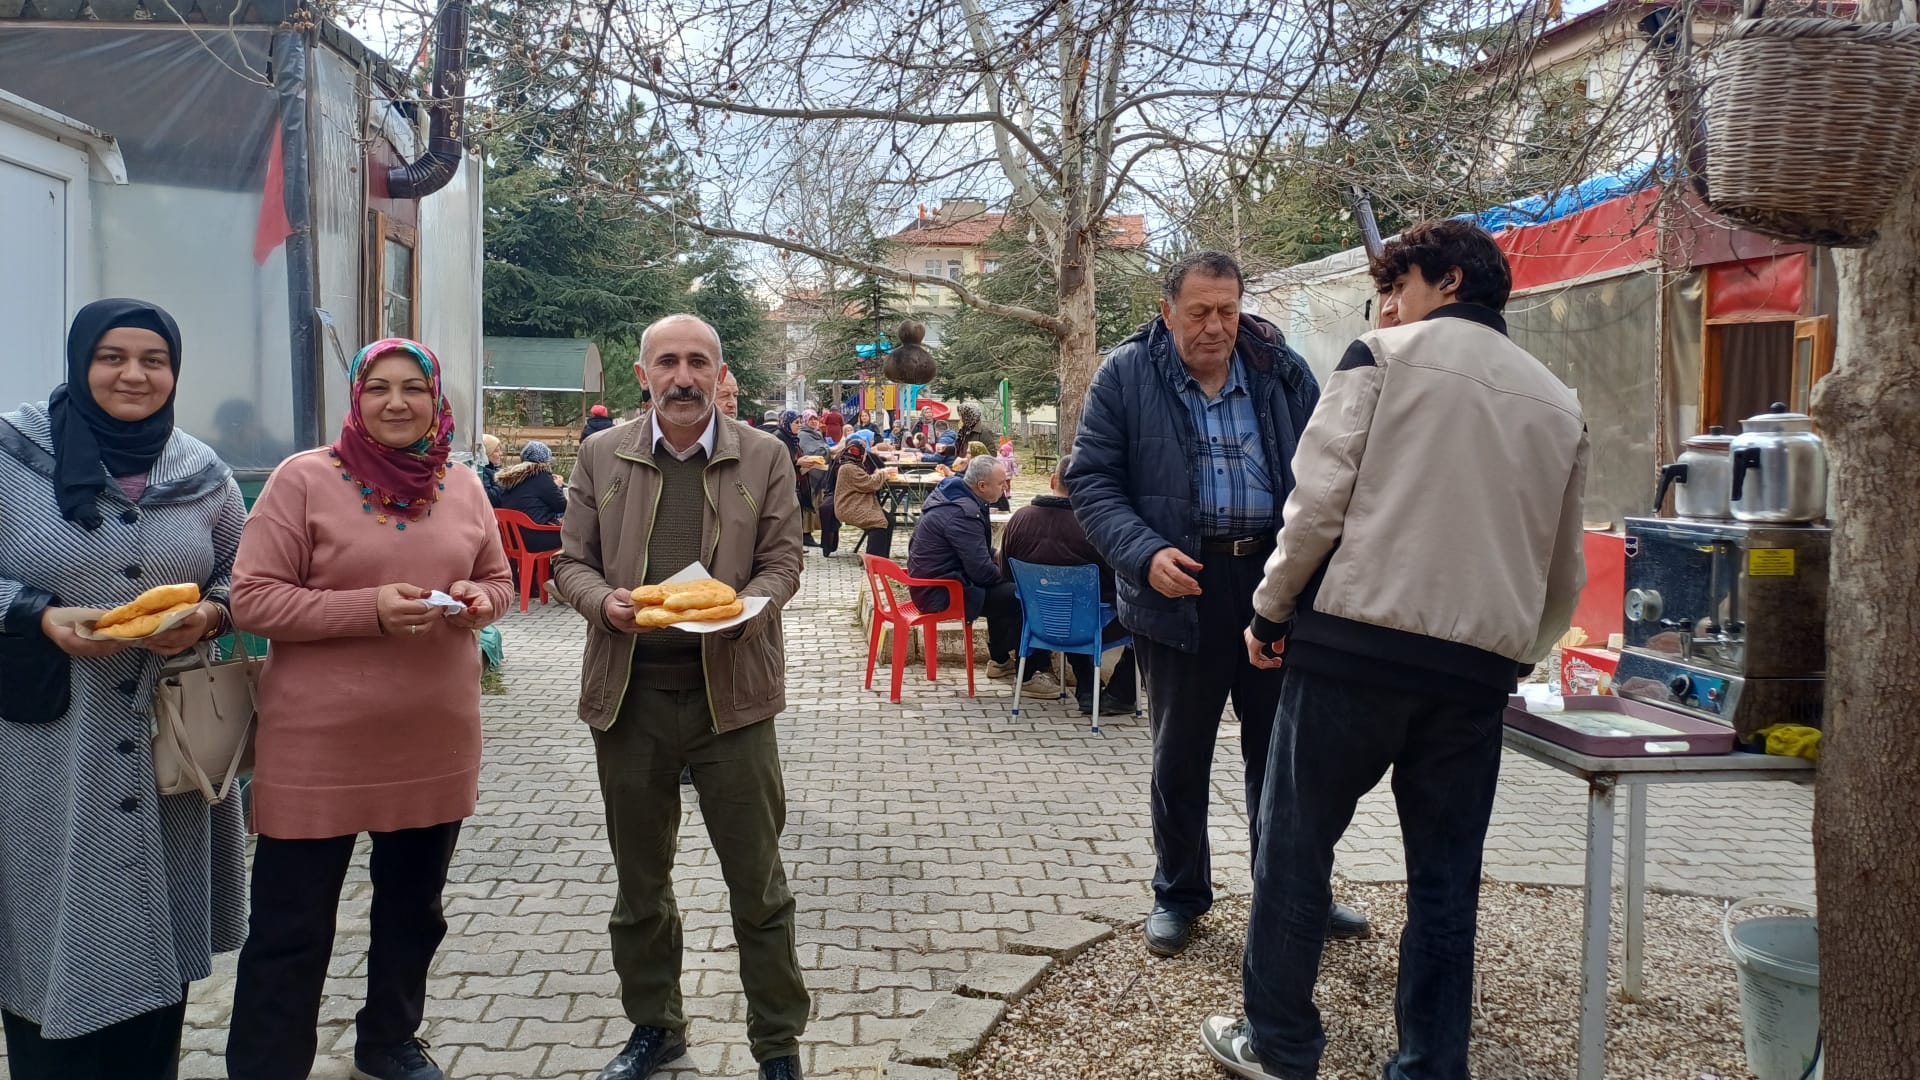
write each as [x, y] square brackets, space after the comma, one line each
[142, 626]
[649, 596]
[155, 601]
[694, 595]
[665, 616]
[142, 618]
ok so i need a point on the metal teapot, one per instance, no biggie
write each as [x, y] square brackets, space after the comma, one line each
[1779, 469]
[1704, 474]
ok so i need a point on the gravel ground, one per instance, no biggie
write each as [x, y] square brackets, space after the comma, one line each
[1118, 1013]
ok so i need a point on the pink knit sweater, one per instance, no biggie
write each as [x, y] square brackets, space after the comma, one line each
[359, 732]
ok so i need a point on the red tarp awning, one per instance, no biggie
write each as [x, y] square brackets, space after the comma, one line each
[1614, 235]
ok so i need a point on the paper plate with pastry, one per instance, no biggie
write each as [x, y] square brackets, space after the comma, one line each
[693, 600]
[153, 612]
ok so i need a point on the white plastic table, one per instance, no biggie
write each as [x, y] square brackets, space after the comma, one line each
[1604, 776]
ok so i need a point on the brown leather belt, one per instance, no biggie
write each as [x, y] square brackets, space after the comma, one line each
[1237, 546]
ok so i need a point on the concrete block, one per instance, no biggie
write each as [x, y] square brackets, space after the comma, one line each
[1005, 976]
[1062, 938]
[950, 1032]
[900, 1070]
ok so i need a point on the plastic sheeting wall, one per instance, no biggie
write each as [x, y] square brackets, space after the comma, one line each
[1681, 359]
[1600, 338]
[449, 250]
[1321, 318]
[194, 118]
[339, 221]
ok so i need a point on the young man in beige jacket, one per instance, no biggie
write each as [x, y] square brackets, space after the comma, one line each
[1431, 552]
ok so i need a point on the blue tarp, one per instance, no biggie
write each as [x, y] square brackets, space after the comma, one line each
[1588, 193]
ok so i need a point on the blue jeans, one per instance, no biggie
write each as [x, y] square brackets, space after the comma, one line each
[1332, 742]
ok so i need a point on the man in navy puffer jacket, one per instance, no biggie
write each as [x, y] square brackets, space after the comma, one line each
[1180, 468]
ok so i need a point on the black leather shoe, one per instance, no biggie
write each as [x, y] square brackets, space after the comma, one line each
[646, 1053]
[1166, 933]
[1344, 922]
[405, 1060]
[786, 1068]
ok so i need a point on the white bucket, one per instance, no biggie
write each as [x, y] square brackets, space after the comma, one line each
[1778, 959]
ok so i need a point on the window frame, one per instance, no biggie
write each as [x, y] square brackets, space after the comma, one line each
[382, 229]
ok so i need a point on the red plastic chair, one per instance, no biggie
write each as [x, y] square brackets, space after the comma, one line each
[529, 566]
[904, 617]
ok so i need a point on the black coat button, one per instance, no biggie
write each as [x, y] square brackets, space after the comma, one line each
[128, 746]
[133, 571]
[128, 517]
[128, 687]
[129, 804]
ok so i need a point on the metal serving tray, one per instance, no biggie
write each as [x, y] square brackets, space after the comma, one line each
[1605, 726]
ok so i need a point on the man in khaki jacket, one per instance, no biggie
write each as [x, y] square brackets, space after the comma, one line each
[1431, 552]
[646, 500]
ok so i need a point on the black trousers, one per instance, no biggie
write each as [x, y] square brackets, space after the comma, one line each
[1332, 743]
[283, 967]
[144, 1047]
[829, 527]
[1186, 693]
[1001, 609]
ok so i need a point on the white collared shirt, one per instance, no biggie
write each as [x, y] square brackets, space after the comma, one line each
[705, 443]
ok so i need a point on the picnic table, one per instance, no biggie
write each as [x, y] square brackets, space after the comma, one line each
[1604, 777]
[904, 493]
[999, 519]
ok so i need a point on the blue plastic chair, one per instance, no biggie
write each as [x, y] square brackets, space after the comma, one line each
[1061, 611]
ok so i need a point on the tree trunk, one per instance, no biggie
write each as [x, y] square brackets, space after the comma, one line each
[1079, 346]
[1867, 817]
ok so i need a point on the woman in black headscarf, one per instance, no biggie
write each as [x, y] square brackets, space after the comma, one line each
[112, 897]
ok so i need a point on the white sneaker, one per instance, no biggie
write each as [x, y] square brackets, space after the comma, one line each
[997, 669]
[1230, 1040]
[1042, 687]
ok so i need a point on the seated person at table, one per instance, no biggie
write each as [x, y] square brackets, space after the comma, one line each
[1045, 532]
[855, 483]
[945, 452]
[955, 540]
[979, 450]
[531, 488]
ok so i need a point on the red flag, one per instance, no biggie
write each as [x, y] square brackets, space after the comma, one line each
[274, 228]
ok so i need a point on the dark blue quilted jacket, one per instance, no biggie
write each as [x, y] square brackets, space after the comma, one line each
[1134, 472]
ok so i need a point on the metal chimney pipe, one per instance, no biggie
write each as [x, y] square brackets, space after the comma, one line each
[447, 112]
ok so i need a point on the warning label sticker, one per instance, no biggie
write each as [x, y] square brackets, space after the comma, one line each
[1770, 562]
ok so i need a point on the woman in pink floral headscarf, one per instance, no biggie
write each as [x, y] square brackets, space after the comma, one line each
[369, 710]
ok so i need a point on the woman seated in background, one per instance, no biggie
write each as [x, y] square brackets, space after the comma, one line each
[857, 480]
[531, 488]
[369, 712]
[490, 467]
[115, 897]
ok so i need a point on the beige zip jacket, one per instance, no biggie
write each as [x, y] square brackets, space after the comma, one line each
[749, 538]
[1435, 520]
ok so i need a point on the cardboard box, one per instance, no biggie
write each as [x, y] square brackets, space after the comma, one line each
[1602, 661]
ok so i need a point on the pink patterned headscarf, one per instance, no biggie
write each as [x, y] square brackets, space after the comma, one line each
[395, 483]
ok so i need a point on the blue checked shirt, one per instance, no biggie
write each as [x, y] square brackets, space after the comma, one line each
[1236, 496]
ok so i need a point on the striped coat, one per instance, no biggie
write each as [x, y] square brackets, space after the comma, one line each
[111, 896]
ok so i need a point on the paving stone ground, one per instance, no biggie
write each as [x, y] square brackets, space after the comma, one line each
[921, 837]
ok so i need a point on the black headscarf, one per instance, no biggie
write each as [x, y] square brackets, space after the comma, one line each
[88, 443]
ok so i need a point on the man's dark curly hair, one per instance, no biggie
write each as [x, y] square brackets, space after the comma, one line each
[1436, 247]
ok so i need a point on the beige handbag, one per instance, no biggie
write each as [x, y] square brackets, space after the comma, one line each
[203, 722]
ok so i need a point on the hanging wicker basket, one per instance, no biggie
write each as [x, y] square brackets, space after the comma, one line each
[1812, 125]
